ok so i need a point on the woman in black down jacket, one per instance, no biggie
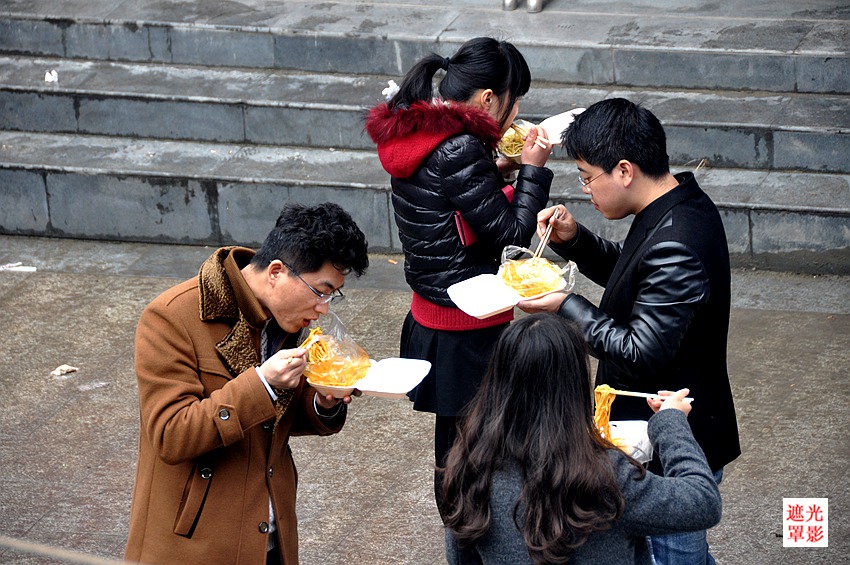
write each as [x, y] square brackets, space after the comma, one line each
[440, 153]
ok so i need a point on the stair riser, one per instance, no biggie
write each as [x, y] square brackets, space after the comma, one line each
[359, 53]
[215, 212]
[196, 121]
[715, 71]
[169, 209]
[723, 146]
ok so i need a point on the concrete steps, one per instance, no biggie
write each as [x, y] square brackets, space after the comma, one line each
[104, 187]
[740, 44]
[193, 122]
[276, 107]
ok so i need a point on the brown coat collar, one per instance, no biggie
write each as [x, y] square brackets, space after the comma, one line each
[224, 295]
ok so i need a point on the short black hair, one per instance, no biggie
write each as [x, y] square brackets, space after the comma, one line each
[615, 129]
[308, 237]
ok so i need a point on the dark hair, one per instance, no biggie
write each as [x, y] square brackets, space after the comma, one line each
[534, 409]
[615, 129]
[308, 237]
[480, 63]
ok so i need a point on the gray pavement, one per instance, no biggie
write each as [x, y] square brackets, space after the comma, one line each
[68, 445]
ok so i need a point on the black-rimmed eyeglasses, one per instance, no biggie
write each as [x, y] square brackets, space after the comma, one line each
[321, 297]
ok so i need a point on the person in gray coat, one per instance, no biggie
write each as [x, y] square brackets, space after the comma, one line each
[531, 480]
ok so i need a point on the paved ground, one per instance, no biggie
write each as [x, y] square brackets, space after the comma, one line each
[68, 445]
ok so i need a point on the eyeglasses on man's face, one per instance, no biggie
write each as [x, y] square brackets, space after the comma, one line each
[321, 297]
[584, 183]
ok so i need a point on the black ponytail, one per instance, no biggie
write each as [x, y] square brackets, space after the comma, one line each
[480, 63]
[418, 82]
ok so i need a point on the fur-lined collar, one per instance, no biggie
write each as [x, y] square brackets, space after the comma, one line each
[224, 295]
[406, 136]
[220, 300]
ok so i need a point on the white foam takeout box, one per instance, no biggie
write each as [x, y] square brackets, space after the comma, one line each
[486, 295]
[631, 437]
[393, 377]
[554, 126]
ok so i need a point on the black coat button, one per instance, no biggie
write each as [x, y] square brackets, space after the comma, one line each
[264, 527]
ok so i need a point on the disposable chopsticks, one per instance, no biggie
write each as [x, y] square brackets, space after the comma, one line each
[546, 235]
[540, 141]
[642, 394]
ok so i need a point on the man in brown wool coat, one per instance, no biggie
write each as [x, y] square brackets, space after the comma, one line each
[221, 390]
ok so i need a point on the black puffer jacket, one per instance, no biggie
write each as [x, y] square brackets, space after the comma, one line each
[441, 159]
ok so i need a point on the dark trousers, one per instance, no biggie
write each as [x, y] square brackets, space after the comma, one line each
[273, 557]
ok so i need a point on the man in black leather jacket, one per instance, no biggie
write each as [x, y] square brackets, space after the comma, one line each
[663, 320]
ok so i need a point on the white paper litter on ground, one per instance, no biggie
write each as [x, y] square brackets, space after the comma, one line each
[19, 267]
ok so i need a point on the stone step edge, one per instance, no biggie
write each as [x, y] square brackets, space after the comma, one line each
[261, 48]
[301, 183]
[839, 206]
[764, 131]
[730, 96]
[404, 35]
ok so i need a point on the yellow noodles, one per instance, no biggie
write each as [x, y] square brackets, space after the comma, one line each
[329, 365]
[531, 277]
[604, 395]
[511, 143]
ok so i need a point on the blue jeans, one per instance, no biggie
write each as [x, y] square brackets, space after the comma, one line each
[688, 548]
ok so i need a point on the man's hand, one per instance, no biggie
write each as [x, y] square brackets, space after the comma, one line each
[564, 227]
[327, 402]
[547, 303]
[284, 368]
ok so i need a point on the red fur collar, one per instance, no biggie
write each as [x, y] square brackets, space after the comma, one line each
[406, 136]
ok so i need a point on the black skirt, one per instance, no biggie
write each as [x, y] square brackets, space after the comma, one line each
[458, 362]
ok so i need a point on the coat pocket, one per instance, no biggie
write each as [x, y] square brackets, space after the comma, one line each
[192, 502]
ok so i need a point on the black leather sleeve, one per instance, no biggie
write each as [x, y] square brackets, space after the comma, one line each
[595, 256]
[672, 286]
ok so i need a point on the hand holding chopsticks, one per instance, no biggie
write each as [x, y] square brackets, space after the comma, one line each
[540, 141]
[545, 239]
[644, 394]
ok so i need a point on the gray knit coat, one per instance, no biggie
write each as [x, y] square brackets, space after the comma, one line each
[685, 499]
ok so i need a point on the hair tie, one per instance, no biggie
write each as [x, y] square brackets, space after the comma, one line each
[445, 65]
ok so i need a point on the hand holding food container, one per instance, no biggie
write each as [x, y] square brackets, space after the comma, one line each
[338, 366]
[525, 144]
[516, 144]
[522, 275]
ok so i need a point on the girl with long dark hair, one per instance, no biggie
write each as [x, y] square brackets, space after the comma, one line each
[530, 480]
[446, 188]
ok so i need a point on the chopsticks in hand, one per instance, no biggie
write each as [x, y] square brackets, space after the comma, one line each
[546, 235]
[643, 394]
[540, 141]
